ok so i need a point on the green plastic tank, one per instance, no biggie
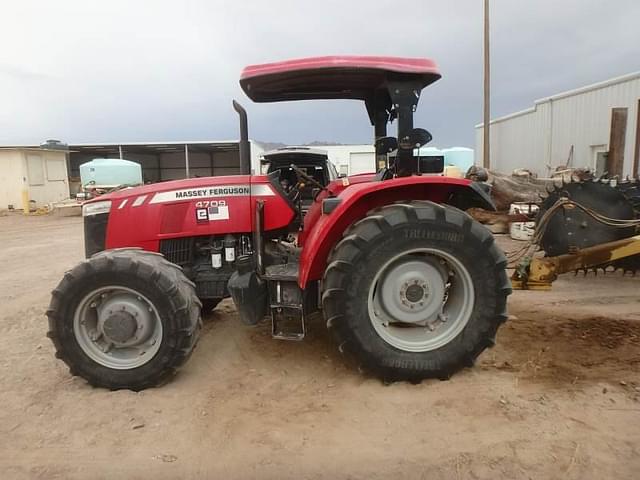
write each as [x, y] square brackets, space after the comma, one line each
[110, 172]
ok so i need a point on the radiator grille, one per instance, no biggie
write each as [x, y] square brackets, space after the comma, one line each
[177, 250]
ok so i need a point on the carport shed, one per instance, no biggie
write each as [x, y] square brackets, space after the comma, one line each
[163, 161]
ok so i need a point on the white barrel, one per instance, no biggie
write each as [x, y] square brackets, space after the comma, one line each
[453, 171]
[522, 230]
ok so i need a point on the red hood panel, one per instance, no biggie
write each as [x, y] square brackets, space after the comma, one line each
[175, 185]
[142, 216]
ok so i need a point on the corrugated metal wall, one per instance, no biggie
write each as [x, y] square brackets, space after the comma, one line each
[544, 135]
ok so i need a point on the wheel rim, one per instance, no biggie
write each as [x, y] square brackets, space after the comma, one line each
[421, 300]
[117, 327]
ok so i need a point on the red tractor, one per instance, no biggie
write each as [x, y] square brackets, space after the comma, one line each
[406, 281]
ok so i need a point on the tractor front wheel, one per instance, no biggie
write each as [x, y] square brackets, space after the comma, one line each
[415, 291]
[125, 318]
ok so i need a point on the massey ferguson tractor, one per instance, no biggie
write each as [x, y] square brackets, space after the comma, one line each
[410, 286]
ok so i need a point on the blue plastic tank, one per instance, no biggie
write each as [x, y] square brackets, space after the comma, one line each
[110, 172]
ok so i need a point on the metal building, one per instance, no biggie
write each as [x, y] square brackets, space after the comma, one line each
[50, 172]
[571, 128]
[163, 161]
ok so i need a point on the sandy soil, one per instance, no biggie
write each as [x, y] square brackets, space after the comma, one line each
[558, 397]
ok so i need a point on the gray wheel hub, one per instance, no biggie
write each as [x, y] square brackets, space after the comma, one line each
[412, 291]
[125, 319]
[421, 300]
[118, 327]
[416, 292]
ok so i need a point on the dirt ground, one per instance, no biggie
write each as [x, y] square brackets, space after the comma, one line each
[558, 397]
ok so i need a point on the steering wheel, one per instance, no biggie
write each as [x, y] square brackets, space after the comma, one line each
[302, 175]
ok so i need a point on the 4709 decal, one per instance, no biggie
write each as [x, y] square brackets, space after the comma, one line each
[211, 210]
[211, 203]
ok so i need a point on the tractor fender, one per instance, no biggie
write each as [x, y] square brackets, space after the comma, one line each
[357, 199]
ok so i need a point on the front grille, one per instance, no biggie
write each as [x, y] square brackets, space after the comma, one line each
[95, 233]
[177, 250]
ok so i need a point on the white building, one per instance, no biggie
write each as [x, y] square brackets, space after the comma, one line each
[32, 177]
[351, 159]
[579, 121]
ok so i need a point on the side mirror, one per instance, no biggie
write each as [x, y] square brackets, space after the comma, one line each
[386, 144]
[416, 139]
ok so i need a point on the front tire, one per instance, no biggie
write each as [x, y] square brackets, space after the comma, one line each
[415, 291]
[124, 318]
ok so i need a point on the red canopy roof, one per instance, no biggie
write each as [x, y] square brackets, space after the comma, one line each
[349, 77]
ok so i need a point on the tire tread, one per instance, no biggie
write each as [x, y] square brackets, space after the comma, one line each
[355, 242]
[184, 318]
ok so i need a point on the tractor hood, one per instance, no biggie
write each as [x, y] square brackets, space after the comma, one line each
[174, 185]
[145, 216]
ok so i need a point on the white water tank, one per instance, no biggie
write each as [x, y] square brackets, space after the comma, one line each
[110, 172]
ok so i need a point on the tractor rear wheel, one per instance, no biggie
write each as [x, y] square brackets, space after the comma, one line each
[415, 291]
[125, 318]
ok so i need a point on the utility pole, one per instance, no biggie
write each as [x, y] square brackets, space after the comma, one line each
[487, 84]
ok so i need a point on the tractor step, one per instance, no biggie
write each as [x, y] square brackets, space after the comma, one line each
[287, 322]
[285, 302]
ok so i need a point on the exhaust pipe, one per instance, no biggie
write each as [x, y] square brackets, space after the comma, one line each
[245, 147]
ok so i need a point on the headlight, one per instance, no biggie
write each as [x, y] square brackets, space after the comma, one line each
[95, 208]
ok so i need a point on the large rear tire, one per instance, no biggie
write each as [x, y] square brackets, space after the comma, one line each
[415, 291]
[124, 318]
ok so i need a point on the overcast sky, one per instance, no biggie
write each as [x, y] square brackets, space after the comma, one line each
[100, 71]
